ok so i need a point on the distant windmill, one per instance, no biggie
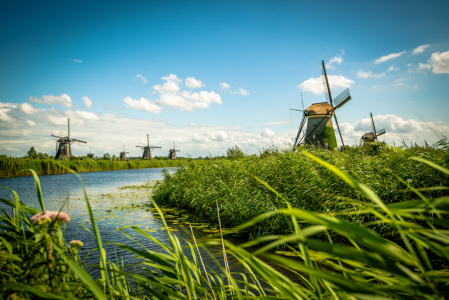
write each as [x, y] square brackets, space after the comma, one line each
[172, 152]
[371, 137]
[147, 149]
[123, 154]
[318, 116]
[63, 144]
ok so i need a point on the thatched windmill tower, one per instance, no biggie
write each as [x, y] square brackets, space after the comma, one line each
[147, 149]
[371, 137]
[318, 116]
[172, 152]
[123, 154]
[63, 144]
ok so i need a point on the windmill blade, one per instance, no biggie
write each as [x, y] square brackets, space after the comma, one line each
[342, 99]
[154, 147]
[148, 140]
[301, 126]
[327, 90]
[372, 122]
[74, 140]
[69, 128]
[302, 101]
[141, 146]
[296, 109]
[178, 150]
[380, 132]
[61, 137]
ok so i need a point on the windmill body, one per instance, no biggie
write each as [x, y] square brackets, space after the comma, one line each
[371, 137]
[147, 149]
[172, 152]
[123, 153]
[317, 119]
[63, 144]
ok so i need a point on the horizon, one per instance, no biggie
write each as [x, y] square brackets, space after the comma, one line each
[213, 75]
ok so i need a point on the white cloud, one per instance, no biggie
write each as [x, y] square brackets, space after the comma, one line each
[191, 82]
[143, 105]
[79, 114]
[422, 66]
[389, 56]
[337, 59]
[170, 86]
[142, 78]
[4, 117]
[193, 124]
[275, 123]
[415, 87]
[31, 123]
[243, 92]
[420, 49]
[440, 62]
[375, 86]
[28, 108]
[315, 85]
[225, 85]
[392, 68]
[268, 133]
[63, 100]
[57, 120]
[361, 74]
[77, 60]
[87, 101]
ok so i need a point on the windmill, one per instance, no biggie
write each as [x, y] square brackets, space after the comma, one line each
[63, 144]
[320, 131]
[371, 137]
[146, 149]
[123, 154]
[172, 152]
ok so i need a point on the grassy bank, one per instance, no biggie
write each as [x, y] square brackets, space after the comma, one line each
[11, 166]
[37, 263]
[302, 182]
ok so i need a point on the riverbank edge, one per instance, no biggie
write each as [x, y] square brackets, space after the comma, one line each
[62, 167]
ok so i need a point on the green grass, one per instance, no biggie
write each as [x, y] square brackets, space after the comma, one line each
[301, 181]
[409, 261]
[10, 166]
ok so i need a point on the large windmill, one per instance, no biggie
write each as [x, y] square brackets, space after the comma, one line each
[320, 131]
[172, 152]
[63, 144]
[147, 149]
[123, 154]
[371, 137]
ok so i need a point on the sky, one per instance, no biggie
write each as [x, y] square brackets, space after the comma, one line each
[210, 75]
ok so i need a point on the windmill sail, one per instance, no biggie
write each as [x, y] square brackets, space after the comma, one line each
[342, 99]
[382, 131]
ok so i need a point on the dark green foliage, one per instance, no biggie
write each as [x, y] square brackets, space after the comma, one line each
[328, 136]
[235, 152]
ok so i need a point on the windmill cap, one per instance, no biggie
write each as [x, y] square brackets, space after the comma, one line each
[369, 136]
[319, 109]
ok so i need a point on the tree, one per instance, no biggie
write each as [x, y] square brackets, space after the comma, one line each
[32, 153]
[235, 152]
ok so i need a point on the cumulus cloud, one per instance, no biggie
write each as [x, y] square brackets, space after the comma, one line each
[420, 49]
[31, 123]
[28, 108]
[191, 82]
[142, 78]
[193, 124]
[143, 105]
[388, 57]
[86, 115]
[63, 100]
[337, 59]
[4, 117]
[422, 66]
[361, 74]
[57, 120]
[440, 62]
[315, 85]
[392, 68]
[243, 92]
[170, 86]
[87, 101]
[225, 85]
[78, 60]
[268, 133]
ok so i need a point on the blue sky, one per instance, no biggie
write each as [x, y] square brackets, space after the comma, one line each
[214, 74]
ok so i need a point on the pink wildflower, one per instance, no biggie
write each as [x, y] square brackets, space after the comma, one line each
[50, 216]
[77, 243]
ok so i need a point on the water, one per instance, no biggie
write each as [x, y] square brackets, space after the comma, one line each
[114, 207]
